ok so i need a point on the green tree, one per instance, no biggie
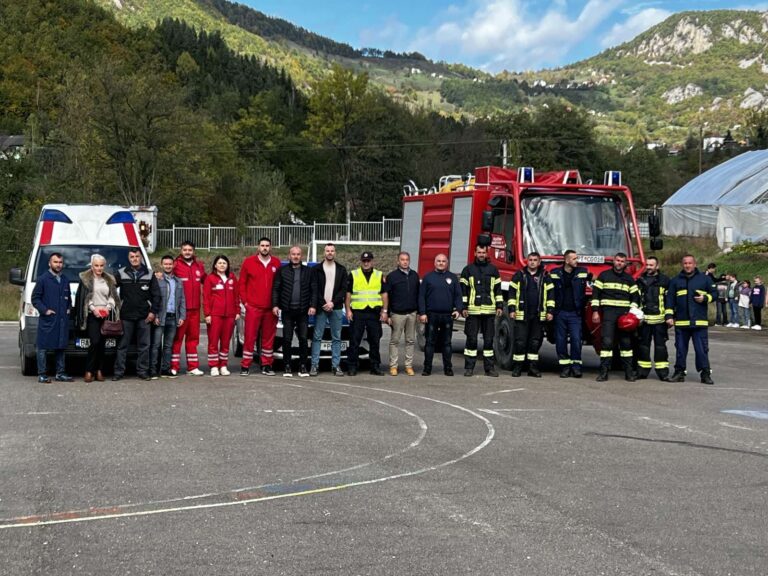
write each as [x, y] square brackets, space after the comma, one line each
[337, 108]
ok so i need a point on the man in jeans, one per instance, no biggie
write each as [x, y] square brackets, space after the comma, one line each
[439, 305]
[328, 289]
[733, 300]
[400, 295]
[173, 312]
[291, 293]
[141, 298]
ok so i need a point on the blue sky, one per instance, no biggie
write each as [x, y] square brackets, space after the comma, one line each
[490, 34]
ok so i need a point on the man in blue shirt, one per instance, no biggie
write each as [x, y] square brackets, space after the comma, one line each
[439, 305]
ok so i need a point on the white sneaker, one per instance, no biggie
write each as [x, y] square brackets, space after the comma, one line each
[214, 372]
[224, 371]
[757, 327]
[196, 372]
[745, 327]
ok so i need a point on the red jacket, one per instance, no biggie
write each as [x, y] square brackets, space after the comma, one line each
[192, 276]
[256, 281]
[220, 298]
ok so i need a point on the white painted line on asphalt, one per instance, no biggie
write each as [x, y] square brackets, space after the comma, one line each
[504, 391]
[494, 413]
[734, 426]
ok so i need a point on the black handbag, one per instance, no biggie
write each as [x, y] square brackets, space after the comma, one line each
[112, 327]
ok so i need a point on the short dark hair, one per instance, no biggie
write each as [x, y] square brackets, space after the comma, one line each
[652, 257]
[56, 254]
[188, 243]
[534, 253]
[711, 266]
[264, 239]
[619, 255]
[330, 244]
[568, 253]
[167, 257]
[134, 250]
[216, 259]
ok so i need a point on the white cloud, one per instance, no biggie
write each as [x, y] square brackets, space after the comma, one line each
[508, 34]
[634, 25]
[392, 33]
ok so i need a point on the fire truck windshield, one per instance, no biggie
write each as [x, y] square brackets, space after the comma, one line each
[591, 225]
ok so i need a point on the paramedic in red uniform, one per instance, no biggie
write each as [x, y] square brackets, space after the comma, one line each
[256, 277]
[221, 305]
[191, 272]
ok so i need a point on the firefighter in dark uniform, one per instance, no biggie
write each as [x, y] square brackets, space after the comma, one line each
[653, 287]
[688, 298]
[530, 305]
[570, 295]
[613, 294]
[483, 302]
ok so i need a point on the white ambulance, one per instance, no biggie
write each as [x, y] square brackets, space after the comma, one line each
[76, 232]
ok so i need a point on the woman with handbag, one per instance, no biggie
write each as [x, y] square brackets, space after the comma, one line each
[97, 301]
[221, 307]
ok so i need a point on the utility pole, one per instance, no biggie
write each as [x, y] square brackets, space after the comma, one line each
[701, 145]
[504, 144]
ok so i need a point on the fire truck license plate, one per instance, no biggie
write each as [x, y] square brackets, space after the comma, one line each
[592, 259]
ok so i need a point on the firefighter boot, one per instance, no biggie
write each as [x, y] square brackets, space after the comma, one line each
[517, 369]
[629, 371]
[663, 375]
[605, 367]
[533, 370]
[706, 376]
[642, 373]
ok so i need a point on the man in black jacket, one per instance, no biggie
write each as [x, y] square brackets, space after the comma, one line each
[570, 288]
[328, 291]
[141, 302]
[401, 301]
[291, 293]
[439, 305]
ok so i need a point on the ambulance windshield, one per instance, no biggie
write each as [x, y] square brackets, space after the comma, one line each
[78, 258]
[591, 225]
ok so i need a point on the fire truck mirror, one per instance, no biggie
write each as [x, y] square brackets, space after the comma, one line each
[654, 225]
[487, 224]
[657, 244]
[484, 240]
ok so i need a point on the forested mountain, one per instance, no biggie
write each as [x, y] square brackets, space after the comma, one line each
[170, 114]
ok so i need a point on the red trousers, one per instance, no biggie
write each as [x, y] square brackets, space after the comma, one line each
[259, 320]
[219, 336]
[189, 331]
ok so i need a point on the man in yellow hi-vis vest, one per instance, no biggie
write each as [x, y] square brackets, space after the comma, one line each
[364, 312]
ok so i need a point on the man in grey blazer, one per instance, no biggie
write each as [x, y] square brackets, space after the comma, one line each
[172, 314]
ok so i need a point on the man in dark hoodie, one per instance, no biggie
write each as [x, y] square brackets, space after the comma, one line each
[142, 299]
[688, 298]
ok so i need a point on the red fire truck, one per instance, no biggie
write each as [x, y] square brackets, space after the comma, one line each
[515, 212]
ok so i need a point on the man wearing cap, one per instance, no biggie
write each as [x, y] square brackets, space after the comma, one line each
[364, 313]
[401, 300]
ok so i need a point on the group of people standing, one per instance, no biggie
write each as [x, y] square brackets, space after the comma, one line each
[741, 300]
[161, 311]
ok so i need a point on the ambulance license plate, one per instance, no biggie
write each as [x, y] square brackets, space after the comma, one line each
[82, 342]
[326, 346]
[110, 343]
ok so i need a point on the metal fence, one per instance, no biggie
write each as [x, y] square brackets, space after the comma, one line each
[214, 237]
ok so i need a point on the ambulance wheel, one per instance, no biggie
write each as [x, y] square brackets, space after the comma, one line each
[503, 341]
[28, 363]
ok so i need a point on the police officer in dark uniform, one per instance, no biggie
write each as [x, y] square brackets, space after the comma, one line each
[653, 287]
[613, 294]
[688, 298]
[530, 304]
[483, 302]
[570, 296]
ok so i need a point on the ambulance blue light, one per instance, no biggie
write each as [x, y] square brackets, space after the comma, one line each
[50, 215]
[123, 217]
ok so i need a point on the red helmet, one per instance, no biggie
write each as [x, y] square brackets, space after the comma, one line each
[628, 322]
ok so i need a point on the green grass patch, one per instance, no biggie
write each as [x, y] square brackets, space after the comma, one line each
[9, 301]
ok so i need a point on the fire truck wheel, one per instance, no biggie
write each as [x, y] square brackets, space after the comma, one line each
[28, 363]
[503, 341]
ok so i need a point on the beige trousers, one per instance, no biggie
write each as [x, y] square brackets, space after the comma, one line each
[402, 324]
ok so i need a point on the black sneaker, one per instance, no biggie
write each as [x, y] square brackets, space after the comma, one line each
[144, 377]
[266, 370]
[287, 374]
[244, 371]
[64, 378]
[377, 372]
[117, 377]
[492, 373]
[426, 372]
[303, 372]
[448, 371]
[43, 380]
[312, 370]
[168, 375]
[678, 376]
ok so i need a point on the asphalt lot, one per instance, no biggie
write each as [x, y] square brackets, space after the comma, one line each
[382, 475]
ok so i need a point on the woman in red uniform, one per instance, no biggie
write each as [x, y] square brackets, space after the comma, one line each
[221, 306]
